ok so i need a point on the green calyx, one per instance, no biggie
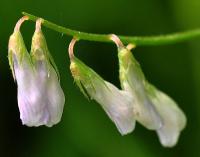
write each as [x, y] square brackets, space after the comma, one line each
[128, 64]
[40, 52]
[84, 76]
[17, 50]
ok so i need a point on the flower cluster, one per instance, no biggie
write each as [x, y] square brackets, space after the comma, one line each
[41, 98]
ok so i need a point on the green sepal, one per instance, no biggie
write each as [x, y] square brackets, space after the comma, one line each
[39, 44]
[83, 76]
[10, 60]
[82, 89]
[127, 63]
[17, 47]
[53, 64]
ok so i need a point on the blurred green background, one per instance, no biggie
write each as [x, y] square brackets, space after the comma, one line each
[85, 129]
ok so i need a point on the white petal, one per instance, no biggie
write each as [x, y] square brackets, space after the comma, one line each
[50, 94]
[173, 118]
[30, 108]
[117, 104]
[40, 97]
[145, 112]
[56, 98]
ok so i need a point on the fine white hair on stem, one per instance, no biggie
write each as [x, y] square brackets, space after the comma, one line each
[19, 23]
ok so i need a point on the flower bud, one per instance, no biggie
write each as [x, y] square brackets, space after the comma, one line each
[116, 103]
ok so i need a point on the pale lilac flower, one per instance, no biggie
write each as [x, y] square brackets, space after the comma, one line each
[116, 103]
[133, 81]
[153, 108]
[40, 97]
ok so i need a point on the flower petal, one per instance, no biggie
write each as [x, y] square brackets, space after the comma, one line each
[117, 104]
[173, 118]
[30, 109]
[56, 97]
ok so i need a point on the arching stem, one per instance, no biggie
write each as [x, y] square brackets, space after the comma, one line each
[139, 41]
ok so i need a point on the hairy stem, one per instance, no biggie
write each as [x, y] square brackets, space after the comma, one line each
[144, 41]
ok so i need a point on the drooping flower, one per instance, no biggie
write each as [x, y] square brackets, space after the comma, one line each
[132, 80]
[22, 69]
[116, 103]
[47, 90]
[17, 52]
[153, 108]
[40, 97]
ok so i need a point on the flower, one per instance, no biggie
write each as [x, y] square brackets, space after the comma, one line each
[132, 80]
[40, 97]
[153, 108]
[116, 103]
[46, 90]
[22, 69]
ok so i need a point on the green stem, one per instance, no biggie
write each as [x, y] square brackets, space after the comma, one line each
[147, 40]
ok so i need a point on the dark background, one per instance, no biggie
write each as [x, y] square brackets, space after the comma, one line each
[85, 130]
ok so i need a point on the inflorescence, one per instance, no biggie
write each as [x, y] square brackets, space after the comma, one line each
[41, 98]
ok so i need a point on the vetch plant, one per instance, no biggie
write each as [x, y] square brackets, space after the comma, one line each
[41, 98]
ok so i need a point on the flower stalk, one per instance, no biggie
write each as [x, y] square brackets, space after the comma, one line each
[137, 40]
